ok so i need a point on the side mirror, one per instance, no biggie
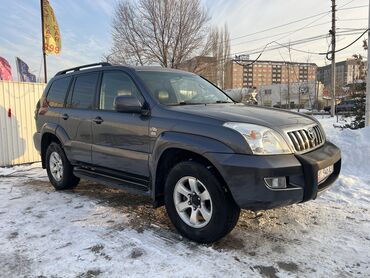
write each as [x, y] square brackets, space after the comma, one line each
[127, 104]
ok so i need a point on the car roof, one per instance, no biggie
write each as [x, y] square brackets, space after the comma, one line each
[156, 68]
[106, 66]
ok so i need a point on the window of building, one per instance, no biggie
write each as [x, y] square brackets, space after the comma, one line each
[84, 91]
[268, 92]
[57, 92]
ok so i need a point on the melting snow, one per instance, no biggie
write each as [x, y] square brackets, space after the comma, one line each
[96, 231]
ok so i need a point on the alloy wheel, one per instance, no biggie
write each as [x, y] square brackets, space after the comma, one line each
[56, 166]
[193, 202]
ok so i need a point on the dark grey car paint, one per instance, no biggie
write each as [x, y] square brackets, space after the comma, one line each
[77, 126]
[134, 142]
[121, 142]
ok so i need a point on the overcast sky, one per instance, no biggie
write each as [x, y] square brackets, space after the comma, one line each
[85, 27]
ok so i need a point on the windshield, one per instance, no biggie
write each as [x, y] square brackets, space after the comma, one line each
[177, 88]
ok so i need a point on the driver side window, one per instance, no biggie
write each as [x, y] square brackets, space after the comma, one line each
[115, 83]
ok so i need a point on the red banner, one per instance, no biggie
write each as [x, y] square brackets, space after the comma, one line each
[5, 70]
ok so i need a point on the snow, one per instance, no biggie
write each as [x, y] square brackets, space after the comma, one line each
[97, 231]
[354, 181]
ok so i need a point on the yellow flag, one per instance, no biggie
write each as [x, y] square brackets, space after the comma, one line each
[52, 39]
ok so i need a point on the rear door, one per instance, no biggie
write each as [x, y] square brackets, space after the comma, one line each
[50, 108]
[76, 117]
[120, 140]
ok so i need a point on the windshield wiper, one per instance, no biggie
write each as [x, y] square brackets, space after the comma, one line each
[223, 101]
[189, 103]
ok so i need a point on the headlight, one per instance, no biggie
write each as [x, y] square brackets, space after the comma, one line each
[262, 140]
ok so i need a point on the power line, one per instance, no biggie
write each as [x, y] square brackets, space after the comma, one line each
[322, 14]
[314, 39]
[299, 20]
[353, 19]
[266, 37]
[266, 47]
[301, 41]
[279, 26]
[345, 46]
[352, 8]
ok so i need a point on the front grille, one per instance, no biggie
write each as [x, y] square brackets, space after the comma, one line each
[306, 139]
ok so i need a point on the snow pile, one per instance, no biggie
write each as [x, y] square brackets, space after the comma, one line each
[354, 180]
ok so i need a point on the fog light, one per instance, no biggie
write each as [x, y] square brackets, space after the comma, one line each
[276, 183]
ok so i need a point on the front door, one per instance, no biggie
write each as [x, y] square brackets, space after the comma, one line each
[120, 140]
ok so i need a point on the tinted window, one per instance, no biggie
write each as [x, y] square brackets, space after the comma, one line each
[58, 92]
[84, 91]
[178, 88]
[115, 84]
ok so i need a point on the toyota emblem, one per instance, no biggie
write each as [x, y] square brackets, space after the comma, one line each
[311, 134]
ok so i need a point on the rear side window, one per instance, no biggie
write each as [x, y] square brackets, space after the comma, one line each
[57, 92]
[115, 84]
[84, 91]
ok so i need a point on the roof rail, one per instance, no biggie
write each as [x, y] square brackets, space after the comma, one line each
[103, 64]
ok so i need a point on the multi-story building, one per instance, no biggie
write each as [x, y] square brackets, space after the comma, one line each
[263, 73]
[233, 76]
[347, 72]
[202, 65]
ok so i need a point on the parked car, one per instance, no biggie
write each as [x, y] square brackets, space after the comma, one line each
[180, 140]
[327, 108]
[345, 106]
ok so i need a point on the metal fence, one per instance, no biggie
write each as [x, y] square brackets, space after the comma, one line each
[17, 125]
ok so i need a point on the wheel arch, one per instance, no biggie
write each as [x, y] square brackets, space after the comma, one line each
[51, 133]
[172, 148]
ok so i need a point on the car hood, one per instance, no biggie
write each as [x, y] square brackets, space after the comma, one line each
[269, 117]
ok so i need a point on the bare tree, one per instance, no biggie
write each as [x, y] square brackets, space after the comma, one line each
[165, 32]
[219, 48]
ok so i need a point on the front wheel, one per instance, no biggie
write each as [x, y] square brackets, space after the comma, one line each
[198, 205]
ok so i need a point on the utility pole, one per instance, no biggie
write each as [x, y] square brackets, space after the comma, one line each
[289, 63]
[317, 88]
[280, 95]
[288, 86]
[332, 32]
[315, 94]
[367, 109]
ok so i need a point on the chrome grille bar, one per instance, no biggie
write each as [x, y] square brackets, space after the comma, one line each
[306, 139]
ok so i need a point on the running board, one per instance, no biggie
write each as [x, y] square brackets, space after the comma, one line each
[115, 182]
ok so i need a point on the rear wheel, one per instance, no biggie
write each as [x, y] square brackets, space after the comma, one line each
[197, 203]
[60, 171]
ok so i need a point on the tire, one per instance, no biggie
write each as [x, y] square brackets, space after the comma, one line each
[63, 178]
[220, 210]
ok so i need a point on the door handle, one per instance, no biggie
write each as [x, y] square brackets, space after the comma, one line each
[65, 116]
[98, 120]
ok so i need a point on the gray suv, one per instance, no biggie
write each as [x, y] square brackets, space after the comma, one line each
[177, 138]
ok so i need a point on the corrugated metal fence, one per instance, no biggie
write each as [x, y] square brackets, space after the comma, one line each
[17, 124]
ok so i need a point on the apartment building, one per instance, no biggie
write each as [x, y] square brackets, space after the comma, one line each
[262, 73]
[233, 76]
[204, 66]
[347, 72]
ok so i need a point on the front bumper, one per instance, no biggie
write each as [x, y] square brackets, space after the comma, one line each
[244, 175]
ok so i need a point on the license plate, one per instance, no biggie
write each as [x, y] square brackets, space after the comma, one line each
[324, 173]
